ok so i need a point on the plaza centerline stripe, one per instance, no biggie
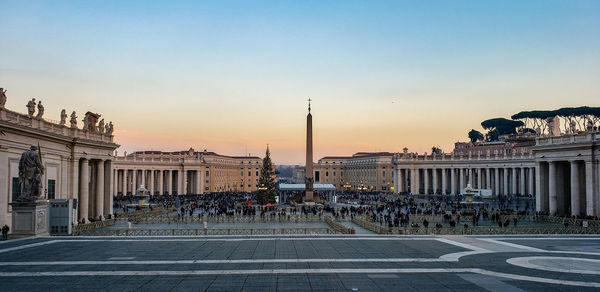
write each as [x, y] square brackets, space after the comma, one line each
[302, 271]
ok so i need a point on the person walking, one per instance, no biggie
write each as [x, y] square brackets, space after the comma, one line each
[5, 230]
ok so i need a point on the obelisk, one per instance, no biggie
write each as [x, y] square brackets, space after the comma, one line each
[308, 178]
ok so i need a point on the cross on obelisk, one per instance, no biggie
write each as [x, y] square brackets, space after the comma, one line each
[308, 179]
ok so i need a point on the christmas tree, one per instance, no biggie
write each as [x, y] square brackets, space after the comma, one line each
[266, 181]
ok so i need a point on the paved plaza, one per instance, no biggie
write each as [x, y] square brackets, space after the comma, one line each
[302, 263]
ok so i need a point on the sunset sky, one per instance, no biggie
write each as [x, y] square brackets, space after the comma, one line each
[233, 76]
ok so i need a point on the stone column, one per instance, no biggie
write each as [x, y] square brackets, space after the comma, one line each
[575, 189]
[124, 181]
[99, 189]
[169, 182]
[144, 178]
[461, 179]
[151, 183]
[541, 187]
[75, 179]
[434, 179]
[505, 182]
[199, 189]
[479, 178]
[496, 181]
[444, 182]
[109, 180]
[84, 189]
[417, 181]
[426, 181]
[114, 181]
[453, 181]
[134, 186]
[488, 179]
[184, 179]
[471, 172]
[161, 188]
[531, 180]
[522, 180]
[591, 202]
[552, 191]
[514, 181]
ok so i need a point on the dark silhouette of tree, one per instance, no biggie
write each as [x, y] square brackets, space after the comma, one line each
[475, 136]
[500, 126]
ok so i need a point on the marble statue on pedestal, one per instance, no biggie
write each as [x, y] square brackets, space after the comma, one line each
[73, 120]
[109, 128]
[40, 110]
[101, 126]
[30, 175]
[63, 117]
[2, 97]
[31, 107]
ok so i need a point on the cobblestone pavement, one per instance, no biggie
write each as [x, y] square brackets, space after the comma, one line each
[302, 263]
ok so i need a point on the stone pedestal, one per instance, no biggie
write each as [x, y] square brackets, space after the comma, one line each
[30, 219]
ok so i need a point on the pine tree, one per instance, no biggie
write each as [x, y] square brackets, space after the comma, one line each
[266, 181]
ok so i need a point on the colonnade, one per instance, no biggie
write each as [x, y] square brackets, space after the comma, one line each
[94, 184]
[567, 187]
[160, 181]
[506, 180]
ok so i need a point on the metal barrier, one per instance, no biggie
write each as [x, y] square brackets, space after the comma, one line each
[175, 218]
[213, 231]
[82, 228]
[475, 230]
[338, 226]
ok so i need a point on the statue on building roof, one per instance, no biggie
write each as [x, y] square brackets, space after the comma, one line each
[40, 110]
[31, 107]
[101, 126]
[63, 117]
[73, 120]
[89, 122]
[2, 97]
[109, 128]
[30, 174]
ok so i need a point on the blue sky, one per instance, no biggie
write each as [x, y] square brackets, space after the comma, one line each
[232, 76]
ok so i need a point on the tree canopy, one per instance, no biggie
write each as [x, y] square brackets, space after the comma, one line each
[475, 136]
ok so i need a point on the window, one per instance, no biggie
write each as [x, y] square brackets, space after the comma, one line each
[334, 173]
[249, 173]
[317, 176]
[207, 181]
[341, 173]
[327, 173]
[383, 174]
[206, 188]
[242, 173]
[207, 173]
[257, 173]
[16, 188]
[51, 189]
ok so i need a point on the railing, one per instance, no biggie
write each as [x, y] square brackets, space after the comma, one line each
[338, 226]
[212, 231]
[83, 228]
[174, 218]
[475, 230]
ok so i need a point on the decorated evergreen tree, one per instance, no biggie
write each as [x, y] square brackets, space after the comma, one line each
[266, 181]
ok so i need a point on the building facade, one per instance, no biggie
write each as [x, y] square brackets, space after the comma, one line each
[78, 160]
[185, 172]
